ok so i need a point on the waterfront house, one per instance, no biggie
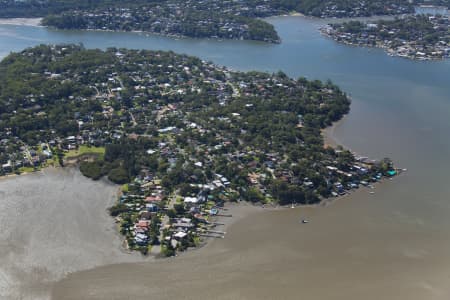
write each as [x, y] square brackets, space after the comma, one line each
[154, 198]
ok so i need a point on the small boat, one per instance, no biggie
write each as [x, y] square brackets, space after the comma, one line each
[304, 221]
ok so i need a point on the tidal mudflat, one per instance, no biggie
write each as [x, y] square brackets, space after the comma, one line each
[52, 223]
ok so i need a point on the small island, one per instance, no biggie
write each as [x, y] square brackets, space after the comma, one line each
[421, 37]
[197, 19]
[180, 135]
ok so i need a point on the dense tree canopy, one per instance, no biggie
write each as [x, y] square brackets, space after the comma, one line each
[179, 118]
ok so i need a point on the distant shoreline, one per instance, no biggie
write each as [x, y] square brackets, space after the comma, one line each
[14, 175]
[36, 22]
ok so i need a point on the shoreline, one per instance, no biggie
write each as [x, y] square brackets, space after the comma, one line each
[35, 22]
[68, 162]
[388, 51]
[168, 35]
[13, 175]
[329, 137]
[412, 47]
[238, 210]
[75, 286]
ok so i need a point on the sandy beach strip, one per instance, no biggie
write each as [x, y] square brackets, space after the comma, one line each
[297, 14]
[21, 21]
[329, 138]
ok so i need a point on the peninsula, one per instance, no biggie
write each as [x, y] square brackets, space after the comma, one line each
[183, 136]
[420, 37]
[198, 19]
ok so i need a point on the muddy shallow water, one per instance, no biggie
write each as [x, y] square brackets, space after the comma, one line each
[52, 223]
[351, 249]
